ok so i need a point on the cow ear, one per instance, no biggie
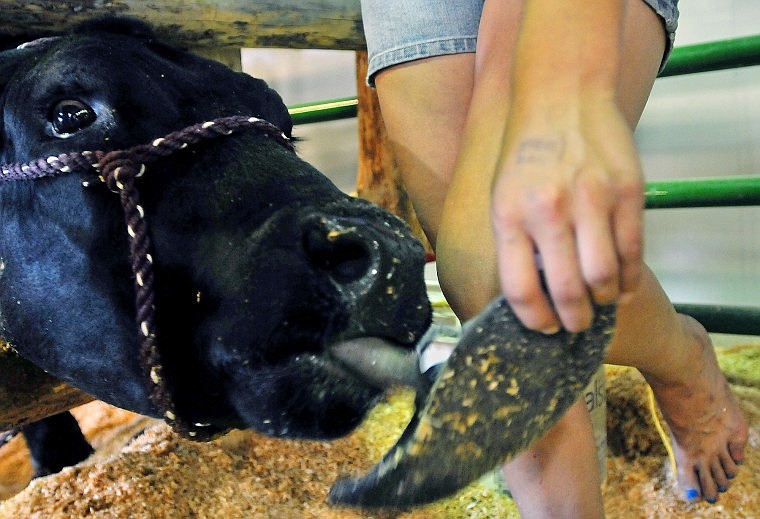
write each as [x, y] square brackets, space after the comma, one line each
[10, 61]
[262, 101]
[117, 25]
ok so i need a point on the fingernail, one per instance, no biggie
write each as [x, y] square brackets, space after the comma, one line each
[692, 494]
[721, 489]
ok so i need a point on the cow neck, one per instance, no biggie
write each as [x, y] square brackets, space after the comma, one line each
[118, 171]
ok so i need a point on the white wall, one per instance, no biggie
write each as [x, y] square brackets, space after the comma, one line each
[694, 126]
[704, 125]
[304, 76]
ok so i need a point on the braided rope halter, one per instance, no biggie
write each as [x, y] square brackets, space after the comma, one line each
[118, 170]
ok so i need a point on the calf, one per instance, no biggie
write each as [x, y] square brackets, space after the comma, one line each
[264, 273]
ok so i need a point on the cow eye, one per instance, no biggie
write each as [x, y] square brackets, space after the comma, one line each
[69, 116]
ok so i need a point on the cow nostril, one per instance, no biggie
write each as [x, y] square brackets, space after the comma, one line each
[342, 254]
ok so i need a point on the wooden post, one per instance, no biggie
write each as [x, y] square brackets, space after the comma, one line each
[379, 177]
[28, 394]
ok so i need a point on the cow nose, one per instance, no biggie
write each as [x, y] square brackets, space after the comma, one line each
[339, 251]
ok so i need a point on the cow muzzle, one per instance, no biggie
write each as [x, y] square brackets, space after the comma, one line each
[376, 265]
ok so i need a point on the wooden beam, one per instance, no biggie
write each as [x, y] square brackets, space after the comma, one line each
[27, 393]
[193, 24]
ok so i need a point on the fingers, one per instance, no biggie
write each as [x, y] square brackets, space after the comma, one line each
[551, 226]
[521, 284]
[628, 231]
[599, 258]
[575, 198]
[581, 256]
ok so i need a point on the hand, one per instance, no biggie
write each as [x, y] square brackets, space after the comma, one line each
[567, 197]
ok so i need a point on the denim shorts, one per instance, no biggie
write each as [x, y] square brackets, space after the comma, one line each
[405, 30]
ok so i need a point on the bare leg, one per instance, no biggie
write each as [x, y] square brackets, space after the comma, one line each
[428, 125]
[708, 429]
[542, 480]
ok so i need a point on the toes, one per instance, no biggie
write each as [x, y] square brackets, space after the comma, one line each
[729, 466]
[688, 480]
[707, 483]
[706, 480]
[719, 476]
[736, 449]
[699, 483]
[692, 495]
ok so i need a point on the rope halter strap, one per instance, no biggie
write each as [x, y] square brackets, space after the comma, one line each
[118, 170]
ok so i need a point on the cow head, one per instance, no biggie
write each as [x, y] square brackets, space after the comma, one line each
[267, 277]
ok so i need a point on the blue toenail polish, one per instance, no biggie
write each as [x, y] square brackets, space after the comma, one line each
[721, 489]
[692, 494]
[711, 500]
[730, 476]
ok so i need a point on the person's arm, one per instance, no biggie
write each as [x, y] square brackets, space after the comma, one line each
[569, 185]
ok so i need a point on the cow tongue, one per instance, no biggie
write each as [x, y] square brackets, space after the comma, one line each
[503, 387]
[379, 362]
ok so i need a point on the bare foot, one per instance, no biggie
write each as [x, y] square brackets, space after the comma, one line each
[708, 429]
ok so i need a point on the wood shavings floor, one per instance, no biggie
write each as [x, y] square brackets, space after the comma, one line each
[142, 470]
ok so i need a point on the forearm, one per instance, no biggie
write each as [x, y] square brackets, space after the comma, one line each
[568, 184]
[567, 49]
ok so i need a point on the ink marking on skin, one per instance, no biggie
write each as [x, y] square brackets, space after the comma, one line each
[539, 151]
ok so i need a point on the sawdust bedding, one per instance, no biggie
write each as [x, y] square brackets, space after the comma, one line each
[142, 470]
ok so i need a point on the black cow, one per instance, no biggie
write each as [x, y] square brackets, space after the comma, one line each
[265, 274]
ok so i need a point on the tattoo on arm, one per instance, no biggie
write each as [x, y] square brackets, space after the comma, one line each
[539, 151]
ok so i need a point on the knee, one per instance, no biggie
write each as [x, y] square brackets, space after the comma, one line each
[567, 448]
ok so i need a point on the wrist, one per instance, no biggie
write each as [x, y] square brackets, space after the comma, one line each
[568, 48]
[558, 108]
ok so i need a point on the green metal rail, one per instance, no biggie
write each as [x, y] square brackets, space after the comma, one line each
[703, 192]
[715, 55]
[739, 320]
[331, 110]
[711, 192]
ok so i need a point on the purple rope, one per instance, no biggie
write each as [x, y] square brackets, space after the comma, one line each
[118, 170]
[144, 153]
